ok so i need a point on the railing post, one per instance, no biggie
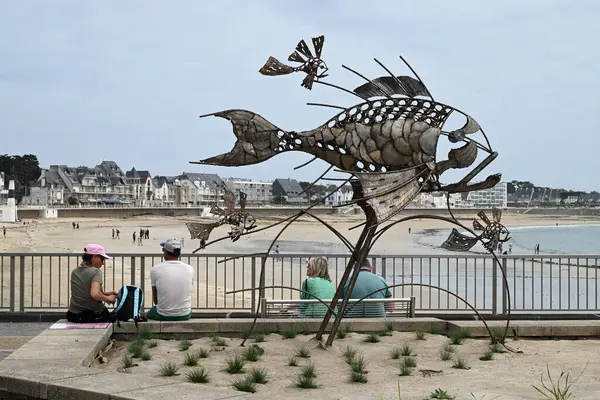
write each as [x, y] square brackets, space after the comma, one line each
[132, 277]
[263, 307]
[253, 285]
[505, 289]
[374, 264]
[261, 293]
[383, 268]
[413, 303]
[22, 284]
[142, 273]
[13, 284]
[495, 288]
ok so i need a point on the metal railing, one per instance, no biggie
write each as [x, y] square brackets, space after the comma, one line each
[537, 283]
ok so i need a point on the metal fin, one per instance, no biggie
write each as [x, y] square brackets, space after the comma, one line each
[303, 49]
[402, 85]
[318, 44]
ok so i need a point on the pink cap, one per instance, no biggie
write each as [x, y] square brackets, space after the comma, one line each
[96, 249]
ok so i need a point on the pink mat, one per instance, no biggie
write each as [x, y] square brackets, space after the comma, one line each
[71, 325]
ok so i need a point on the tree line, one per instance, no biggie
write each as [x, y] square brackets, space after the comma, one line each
[24, 169]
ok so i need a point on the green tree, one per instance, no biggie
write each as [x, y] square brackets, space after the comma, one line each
[25, 170]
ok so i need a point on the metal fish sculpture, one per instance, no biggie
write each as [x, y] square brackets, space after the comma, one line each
[388, 143]
[240, 221]
[312, 65]
[492, 234]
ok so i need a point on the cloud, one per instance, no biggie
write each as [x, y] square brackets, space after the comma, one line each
[82, 81]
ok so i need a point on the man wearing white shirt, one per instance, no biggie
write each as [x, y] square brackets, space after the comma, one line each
[171, 285]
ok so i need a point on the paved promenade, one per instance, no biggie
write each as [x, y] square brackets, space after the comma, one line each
[14, 335]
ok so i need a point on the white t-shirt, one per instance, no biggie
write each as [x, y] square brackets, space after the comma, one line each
[173, 281]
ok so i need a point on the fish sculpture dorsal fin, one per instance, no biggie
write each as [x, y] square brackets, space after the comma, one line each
[402, 85]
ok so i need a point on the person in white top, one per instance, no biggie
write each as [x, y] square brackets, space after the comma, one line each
[171, 286]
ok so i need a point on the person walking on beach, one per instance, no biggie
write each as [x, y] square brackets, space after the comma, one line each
[113, 233]
[277, 252]
[118, 232]
[510, 248]
[133, 237]
[147, 233]
[78, 225]
[140, 240]
[537, 249]
[4, 232]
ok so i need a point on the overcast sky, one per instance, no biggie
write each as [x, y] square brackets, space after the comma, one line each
[83, 81]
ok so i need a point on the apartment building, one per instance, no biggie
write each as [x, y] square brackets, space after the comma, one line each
[342, 196]
[496, 196]
[258, 192]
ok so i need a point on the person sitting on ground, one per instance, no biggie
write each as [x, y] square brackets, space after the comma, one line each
[319, 285]
[87, 297]
[171, 286]
[366, 284]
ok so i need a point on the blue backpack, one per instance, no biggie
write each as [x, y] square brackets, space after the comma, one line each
[130, 304]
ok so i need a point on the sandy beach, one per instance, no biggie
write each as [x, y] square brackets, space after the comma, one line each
[47, 286]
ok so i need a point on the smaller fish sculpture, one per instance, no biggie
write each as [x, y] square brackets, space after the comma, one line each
[239, 220]
[492, 234]
[312, 66]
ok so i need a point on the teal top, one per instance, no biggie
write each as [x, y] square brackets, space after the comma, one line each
[367, 283]
[320, 288]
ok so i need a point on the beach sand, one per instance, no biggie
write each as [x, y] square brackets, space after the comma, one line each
[47, 286]
[510, 375]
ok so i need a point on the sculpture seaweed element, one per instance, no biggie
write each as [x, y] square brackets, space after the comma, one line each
[387, 144]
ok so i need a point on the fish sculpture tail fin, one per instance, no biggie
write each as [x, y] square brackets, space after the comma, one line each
[258, 139]
[274, 67]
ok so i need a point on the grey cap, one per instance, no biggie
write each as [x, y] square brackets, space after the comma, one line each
[171, 245]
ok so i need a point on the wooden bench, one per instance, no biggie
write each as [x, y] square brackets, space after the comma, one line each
[368, 308]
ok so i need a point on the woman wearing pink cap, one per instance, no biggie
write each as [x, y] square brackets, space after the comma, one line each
[87, 297]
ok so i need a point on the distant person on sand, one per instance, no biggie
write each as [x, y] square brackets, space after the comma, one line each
[118, 232]
[140, 240]
[537, 249]
[510, 248]
[409, 231]
[366, 284]
[172, 282]
[73, 223]
[147, 233]
[134, 237]
[113, 233]
[4, 232]
[277, 251]
[78, 225]
[87, 297]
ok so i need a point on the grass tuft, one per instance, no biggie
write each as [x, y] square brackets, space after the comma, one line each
[306, 332]
[191, 359]
[259, 337]
[435, 331]
[487, 356]
[496, 348]
[460, 363]
[449, 348]
[144, 334]
[302, 352]
[457, 338]
[219, 342]
[349, 354]
[498, 336]
[389, 327]
[409, 362]
[406, 350]
[358, 377]
[258, 376]
[235, 365]
[292, 362]
[385, 333]
[372, 338]
[252, 354]
[184, 345]
[244, 385]
[202, 353]
[358, 365]
[169, 369]
[405, 371]
[126, 363]
[305, 382]
[420, 335]
[440, 394]
[146, 356]
[395, 353]
[152, 344]
[291, 334]
[309, 370]
[198, 375]
[136, 348]
[342, 332]
[445, 355]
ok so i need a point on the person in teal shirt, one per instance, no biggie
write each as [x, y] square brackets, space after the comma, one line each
[366, 284]
[318, 284]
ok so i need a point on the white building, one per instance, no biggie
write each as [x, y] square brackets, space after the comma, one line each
[258, 192]
[496, 196]
[341, 196]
